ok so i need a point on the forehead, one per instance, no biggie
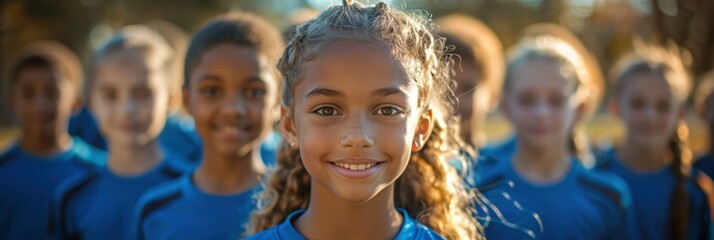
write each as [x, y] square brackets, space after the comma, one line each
[353, 61]
[230, 60]
[646, 83]
[34, 75]
[541, 74]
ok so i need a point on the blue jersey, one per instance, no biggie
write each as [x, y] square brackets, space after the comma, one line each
[180, 136]
[651, 194]
[100, 205]
[503, 150]
[27, 184]
[705, 164]
[411, 229]
[83, 125]
[179, 210]
[582, 205]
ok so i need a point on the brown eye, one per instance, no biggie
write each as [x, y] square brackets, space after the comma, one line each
[526, 100]
[142, 93]
[637, 104]
[388, 111]
[326, 111]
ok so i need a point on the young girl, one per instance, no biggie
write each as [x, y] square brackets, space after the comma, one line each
[231, 90]
[129, 97]
[45, 88]
[651, 88]
[545, 94]
[368, 120]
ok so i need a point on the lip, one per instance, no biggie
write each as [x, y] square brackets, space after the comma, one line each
[356, 168]
[231, 132]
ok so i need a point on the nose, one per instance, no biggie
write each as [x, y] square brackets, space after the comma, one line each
[128, 106]
[541, 109]
[235, 106]
[357, 133]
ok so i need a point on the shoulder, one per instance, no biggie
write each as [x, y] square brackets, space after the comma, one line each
[606, 184]
[604, 158]
[87, 155]
[158, 198]
[173, 166]
[270, 233]
[423, 232]
[73, 187]
[490, 172]
[8, 154]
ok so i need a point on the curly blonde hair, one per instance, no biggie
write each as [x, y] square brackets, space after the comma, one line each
[429, 189]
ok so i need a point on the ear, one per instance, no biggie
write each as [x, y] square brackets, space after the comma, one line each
[77, 105]
[287, 127]
[582, 110]
[424, 126]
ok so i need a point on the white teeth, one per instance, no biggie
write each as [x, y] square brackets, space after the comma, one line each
[355, 167]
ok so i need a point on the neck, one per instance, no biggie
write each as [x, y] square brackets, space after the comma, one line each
[330, 217]
[229, 175]
[48, 143]
[644, 159]
[132, 160]
[541, 165]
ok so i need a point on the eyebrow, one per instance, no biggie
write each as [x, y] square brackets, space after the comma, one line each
[209, 77]
[382, 92]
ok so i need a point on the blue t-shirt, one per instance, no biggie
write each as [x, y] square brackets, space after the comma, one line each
[651, 194]
[179, 210]
[705, 164]
[84, 125]
[101, 205]
[27, 184]
[502, 150]
[410, 229]
[582, 205]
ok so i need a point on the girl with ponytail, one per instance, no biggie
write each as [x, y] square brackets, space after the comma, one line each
[651, 87]
[369, 126]
[547, 91]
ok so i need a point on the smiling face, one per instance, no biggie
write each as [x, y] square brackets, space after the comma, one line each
[231, 95]
[538, 103]
[649, 110]
[354, 118]
[129, 98]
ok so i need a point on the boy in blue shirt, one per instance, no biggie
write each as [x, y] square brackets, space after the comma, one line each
[231, 90]
[45, 84]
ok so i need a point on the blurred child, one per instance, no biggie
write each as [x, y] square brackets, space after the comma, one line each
[651, 86]
[45, 88]
[479, 68]
[368, 117]
[129, 95]
[545, 94]
[231, 90]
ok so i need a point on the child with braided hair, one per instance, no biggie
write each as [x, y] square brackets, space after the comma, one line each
[367, 115]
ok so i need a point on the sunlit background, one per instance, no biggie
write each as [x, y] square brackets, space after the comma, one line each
[605, 27]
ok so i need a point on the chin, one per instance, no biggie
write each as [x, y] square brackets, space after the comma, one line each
[356, 195]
